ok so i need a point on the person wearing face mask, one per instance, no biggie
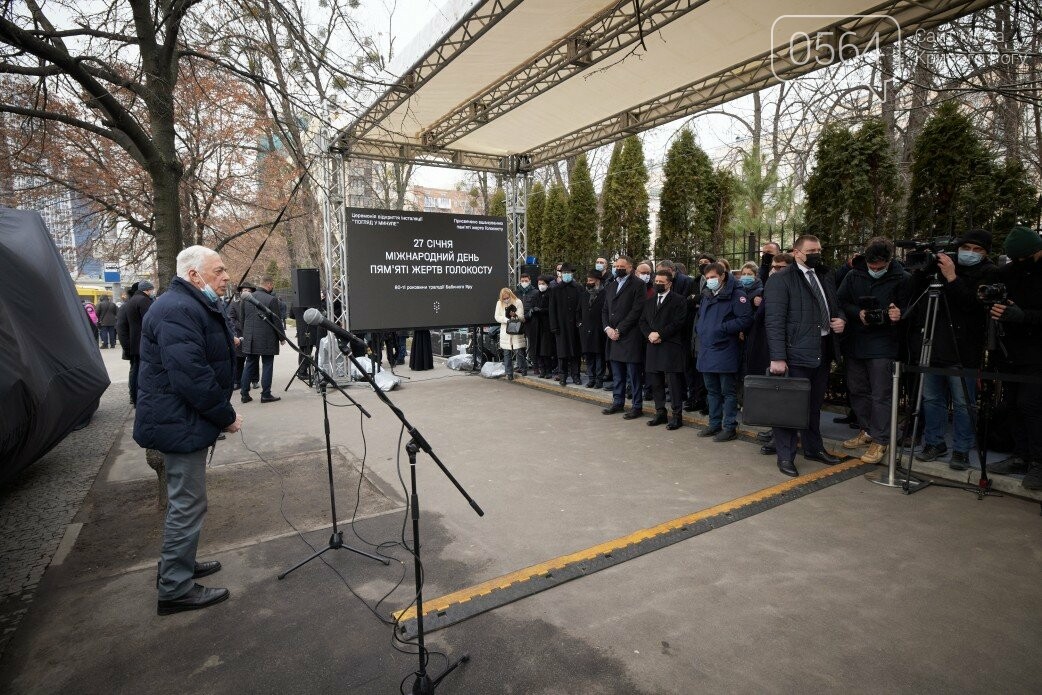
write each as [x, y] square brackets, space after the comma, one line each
[623, 304]
[526, 292]
[1021, 321]
[184, 403]
[565, 320]
[662, 323]
[768, 251]
[749, 280]
[509, 307]
[723, 314]
[591, 333]
[260, 342]
[235, 317]
[876, 280]
[958, 341]
[129, 319]
[803, 320]
[757, 358]
[541, 342]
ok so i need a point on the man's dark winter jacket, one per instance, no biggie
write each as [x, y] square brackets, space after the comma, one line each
[793, 317]
[721, 317]
[128, 323]
[107, 311]
[185, 381]
[962, 319]
[565, 317]
[1022, 339]
[875, 341]
[258, 337]
[591, 332]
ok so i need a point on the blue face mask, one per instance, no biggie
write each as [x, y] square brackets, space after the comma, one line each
[208, 291]
[598, 266]
[876, 274]
[566, 277]
[748, 280]
[969, 257]
[713, 284]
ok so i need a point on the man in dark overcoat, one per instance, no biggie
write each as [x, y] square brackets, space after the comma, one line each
[260, 341]
[107, 312]
[662, 323]
[128, 327]
[623, 304]
[566, 300]
[591, 333]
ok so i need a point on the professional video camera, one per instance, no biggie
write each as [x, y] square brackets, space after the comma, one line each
[875, 315]
[993, 294]
[922, 258]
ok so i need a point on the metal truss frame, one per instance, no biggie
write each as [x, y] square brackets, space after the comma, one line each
[603, 37]
[517, 222]
[461, 36]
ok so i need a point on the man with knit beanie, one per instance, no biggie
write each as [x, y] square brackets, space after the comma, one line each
[1021, 321]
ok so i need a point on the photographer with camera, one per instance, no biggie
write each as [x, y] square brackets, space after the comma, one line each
[873, 295]
[958, 341]
[1020, 317]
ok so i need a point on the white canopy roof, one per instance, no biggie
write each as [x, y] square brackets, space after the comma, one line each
[529, 82]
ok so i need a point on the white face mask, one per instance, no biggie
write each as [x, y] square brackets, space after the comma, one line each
[542, 288]
[525, 285]
[646, 277]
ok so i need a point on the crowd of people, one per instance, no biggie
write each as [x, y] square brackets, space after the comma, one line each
[651, 331]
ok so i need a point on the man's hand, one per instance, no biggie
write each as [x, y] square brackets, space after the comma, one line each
[946, 265]
[1010, 312]
[654, 337]
[779, 367]
[894, 313]
[838, 325]
[238, 341]
[282, 342]
[757, 301]
[861, 315]
[614, 335]
[235, 426]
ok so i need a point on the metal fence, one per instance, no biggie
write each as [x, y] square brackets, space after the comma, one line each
[739, 249]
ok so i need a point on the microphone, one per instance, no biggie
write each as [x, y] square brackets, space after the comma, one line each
[314, 317]
[248, 296]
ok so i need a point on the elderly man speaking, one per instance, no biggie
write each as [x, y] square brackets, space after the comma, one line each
[184, 387]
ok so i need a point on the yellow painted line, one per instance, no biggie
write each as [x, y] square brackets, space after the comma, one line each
[541, 569]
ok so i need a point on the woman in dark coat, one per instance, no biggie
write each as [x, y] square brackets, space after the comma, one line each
[591, 332]
[723, 314]
[566, 300]
[541, 343]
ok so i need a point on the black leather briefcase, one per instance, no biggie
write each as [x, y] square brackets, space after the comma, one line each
[776, 401]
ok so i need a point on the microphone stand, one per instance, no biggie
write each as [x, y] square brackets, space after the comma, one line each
[336, 537]
[423, 684]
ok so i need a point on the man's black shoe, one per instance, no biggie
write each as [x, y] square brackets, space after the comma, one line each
[822, 457]
[221, 437]
[710, 431]
[659, 419]
[202, 569]
[725, 436]
[932, 452]
[246, 399]
[765, 436]
[198, 597]
[591, 384]
[1033, 480]
[960, 461]
[562, 382]
[675, 421]
[1013, 465]
[612, 409]
[788, 468]
[270, 399]
[769, 449]
[633, 414]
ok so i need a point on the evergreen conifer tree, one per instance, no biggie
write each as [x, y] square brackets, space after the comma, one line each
[555, 224]
[536, 207]
[580, 239]
[625, 228]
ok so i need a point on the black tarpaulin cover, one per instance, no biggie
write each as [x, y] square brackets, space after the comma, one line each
[51, 372]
